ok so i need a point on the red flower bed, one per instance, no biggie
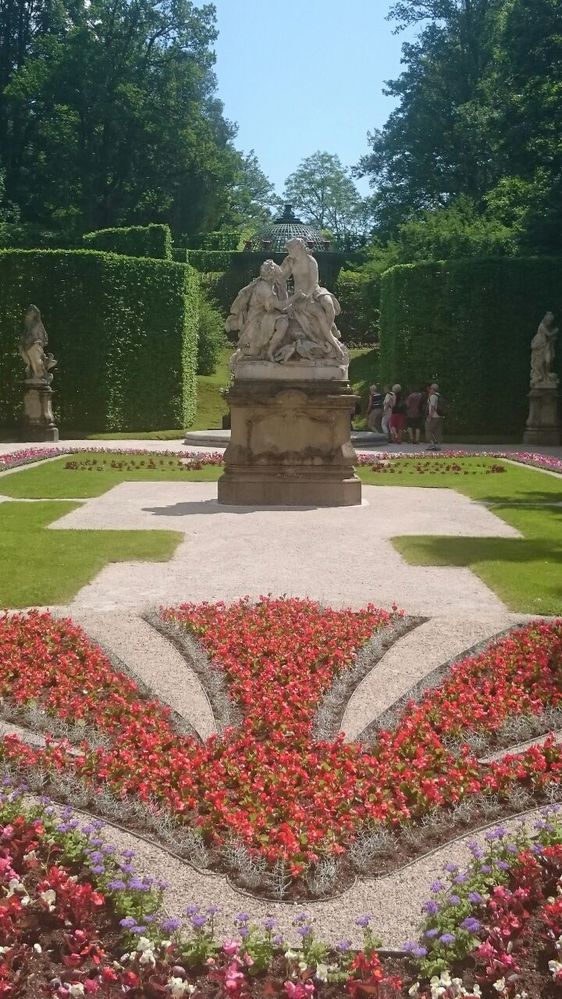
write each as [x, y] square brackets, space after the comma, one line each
[268, 782]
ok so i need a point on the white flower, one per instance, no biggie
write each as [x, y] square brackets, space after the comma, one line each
[180, 988]
[76, 990]
[49, 897]
[499, 986]
[292, 955]
[414, 989]
[144, 944]
[555, 968]
[322, 972]
[16, 887]
[37, 948]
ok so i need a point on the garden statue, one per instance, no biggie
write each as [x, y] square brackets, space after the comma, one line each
[290, 401]
[33, 341]
[38, 423]
[542, 354]
[278, 327]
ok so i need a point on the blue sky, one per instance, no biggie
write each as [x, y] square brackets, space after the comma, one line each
[305, 75]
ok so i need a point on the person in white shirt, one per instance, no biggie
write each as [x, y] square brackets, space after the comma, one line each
[433, 422]
[388, 403]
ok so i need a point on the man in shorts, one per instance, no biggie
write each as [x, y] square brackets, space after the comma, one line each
[433, 421]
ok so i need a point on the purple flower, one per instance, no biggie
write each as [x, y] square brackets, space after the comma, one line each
[127, 868]
[475, 897]
[503, 866]
[241, 917]
[97, 869]
[198, 921]
[460, 878]
[137, 884]
[127, 922]
[191, 910]
[303, 931]
[431, 933]
[471, 924]
[447, 938]
[129, 854]
[116, 885]
[475, 849]
[343, 946]
[270, 923]
[138, 929]
[363, 921]
[213, 909]
[430, 907]
[278, 940]
[170, 925]
[244, 932]
[436, 887]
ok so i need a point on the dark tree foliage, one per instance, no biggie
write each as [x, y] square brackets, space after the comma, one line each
[109, 115]
[479, 118]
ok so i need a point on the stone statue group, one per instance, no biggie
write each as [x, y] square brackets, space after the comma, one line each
[33, 341]
[278, 325]
[542, 354]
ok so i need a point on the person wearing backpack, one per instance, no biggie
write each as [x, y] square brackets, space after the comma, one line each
[434, 418]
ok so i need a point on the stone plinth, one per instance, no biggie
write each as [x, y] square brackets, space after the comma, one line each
[38, 423]
[543, 424]
[290, 445]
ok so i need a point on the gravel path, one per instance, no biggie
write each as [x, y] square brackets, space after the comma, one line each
[155, 661]
[395, 900]
[410, 659]
[231, 551]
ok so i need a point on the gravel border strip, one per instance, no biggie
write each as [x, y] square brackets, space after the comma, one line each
[179, 724]
[390, 716]
[225, 712]
[330, 712]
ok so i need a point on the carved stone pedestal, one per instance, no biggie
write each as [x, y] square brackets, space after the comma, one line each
[543, 424]
[290, 445]
[38, 422]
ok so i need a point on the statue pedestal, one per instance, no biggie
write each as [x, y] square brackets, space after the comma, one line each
[543, 423]
[290, 445]
[38, 422]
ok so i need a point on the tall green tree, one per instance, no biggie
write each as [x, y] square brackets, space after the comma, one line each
[110, 116]
[322, 191]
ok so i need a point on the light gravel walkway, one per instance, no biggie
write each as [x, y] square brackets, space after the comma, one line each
[395, 901]
[342, 556]
[155, 661]
[412, 658]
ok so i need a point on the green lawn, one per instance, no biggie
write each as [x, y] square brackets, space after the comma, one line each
[52, 480]
[39, 566]
[526, 573]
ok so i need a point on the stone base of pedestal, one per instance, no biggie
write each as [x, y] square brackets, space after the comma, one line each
[38, 423]
[290, 446]
[543, 424]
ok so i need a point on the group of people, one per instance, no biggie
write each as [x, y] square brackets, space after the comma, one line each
[403, 416]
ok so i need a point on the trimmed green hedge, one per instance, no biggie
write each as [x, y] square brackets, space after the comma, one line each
[359, 297]
[469, 323]
[133, 241]
[124, 331]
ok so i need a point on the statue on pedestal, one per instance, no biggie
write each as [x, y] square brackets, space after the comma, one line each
[542, 354]
[278, 327]
[38, 423]
[33, 341]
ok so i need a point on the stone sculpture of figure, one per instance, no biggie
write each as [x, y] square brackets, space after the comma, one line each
[260, 313]
[314, 308]
[542, 353]
[33, 341]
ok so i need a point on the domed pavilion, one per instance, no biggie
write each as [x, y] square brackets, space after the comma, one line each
[273, 237]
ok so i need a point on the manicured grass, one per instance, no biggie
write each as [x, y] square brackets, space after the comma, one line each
[40, 566]
[526, 572]
[52, 480]
[517, 484]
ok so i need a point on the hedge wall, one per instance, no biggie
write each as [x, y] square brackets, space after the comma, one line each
[124, 332]
[133, 241]
[469, 323]
[359, 297]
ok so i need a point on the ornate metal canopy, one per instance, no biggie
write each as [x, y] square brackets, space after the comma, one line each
[273, 236]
